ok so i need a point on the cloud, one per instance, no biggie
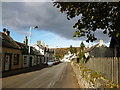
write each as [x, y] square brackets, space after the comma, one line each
[20, 15]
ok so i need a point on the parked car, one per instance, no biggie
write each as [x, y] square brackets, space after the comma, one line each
[56, 61]
[50, 62]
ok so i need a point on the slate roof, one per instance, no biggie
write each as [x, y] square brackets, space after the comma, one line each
[7, 41]
[24, 48]
[91, 48]
[99, 51]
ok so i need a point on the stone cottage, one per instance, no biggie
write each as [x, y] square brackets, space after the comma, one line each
[11, 52]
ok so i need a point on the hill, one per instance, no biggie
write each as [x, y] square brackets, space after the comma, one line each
[60, 52]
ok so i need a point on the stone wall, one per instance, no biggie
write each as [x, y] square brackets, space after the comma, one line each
[85, 77]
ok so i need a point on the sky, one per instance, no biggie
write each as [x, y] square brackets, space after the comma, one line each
[53, 27]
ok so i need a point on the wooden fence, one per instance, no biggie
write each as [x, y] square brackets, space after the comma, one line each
[109, 67]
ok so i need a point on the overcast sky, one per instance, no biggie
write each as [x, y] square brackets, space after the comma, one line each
[18, 16]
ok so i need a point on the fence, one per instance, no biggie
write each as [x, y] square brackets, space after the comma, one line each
[109, 67]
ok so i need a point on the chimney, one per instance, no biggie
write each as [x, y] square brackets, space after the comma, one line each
[101, 42]
[6, 32]
[46, 46]
[38, 43]
[25, 40]
[43, 44]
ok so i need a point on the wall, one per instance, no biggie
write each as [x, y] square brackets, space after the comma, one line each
[109, 67]
[12, 52]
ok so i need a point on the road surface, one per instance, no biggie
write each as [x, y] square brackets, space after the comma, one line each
[57, 76]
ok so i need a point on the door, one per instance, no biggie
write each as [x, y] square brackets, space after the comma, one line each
[7, 62]
[25, 63]
[31, 61]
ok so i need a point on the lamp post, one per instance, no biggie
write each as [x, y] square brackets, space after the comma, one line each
[30, 43]
[55, 52]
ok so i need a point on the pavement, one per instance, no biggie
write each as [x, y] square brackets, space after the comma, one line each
[56, 76]
[23, 70]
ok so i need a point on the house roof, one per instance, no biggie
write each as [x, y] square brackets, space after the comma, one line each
[24, 48]
[7, 41]
[42, 47]
[34, 51]
[93, 47]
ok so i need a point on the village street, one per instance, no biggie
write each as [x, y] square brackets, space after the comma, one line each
[56, 76]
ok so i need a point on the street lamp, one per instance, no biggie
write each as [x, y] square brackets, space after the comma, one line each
[55, 51]
[30, 43]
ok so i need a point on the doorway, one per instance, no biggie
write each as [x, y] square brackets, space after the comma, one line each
[7, 62]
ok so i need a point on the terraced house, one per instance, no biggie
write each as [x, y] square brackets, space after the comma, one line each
[11, 52]
[15, 54]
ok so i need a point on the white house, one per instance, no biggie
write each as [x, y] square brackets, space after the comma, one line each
[41, 50]
[46, 54]
[68, 57]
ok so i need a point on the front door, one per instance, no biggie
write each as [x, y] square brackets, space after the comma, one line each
[31, 61]
[7, 62]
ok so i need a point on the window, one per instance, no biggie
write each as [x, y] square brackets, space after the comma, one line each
[16, 59]
[25, 59]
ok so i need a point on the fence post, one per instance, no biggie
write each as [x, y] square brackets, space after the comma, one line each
[118, 71]
[112, 69]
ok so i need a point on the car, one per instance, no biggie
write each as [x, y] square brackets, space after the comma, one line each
[50, 62]
[56, 61]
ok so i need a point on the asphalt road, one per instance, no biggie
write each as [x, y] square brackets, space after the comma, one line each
[57, 76]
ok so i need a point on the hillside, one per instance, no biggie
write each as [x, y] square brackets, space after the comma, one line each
[60, 52]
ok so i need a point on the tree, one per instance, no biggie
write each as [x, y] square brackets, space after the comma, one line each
[59, 56]
[93, 16]
[82, 46]
[81, 51]
[73, 49]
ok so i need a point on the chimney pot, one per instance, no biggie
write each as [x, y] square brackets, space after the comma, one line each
[25, 40]
[6, 32]
[38, 43]
[43, 44]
